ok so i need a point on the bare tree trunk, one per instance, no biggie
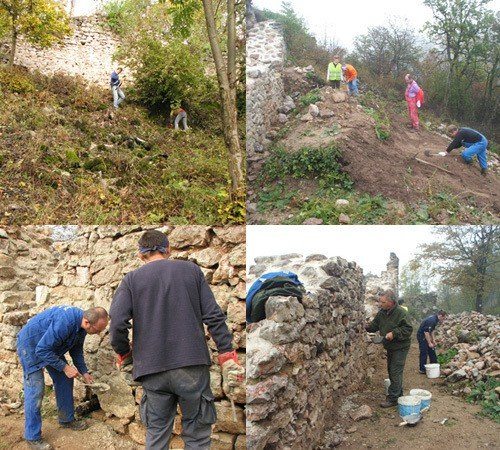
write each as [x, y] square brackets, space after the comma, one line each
[228, 103]
[13, 46]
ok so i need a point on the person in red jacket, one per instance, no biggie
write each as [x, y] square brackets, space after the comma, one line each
[412, 100]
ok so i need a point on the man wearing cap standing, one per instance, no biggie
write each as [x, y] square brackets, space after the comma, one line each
[392, 323]
[334, 72]
[169, 301]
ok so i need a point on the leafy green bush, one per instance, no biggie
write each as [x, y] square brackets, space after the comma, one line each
[310, 98]
[16, 79]
[322, 163]
[484, 393]
[446, 356]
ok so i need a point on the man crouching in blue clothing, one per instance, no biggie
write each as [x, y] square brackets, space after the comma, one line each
[42, 343]
[474, 142]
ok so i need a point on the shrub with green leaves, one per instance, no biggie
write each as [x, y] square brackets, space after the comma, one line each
[484, 393]
[310, 98]
[322, 163]
[16, 79]
[445, 357]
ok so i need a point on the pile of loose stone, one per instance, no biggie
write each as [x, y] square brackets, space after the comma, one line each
[37, 272]
[305, 352]
[477, 339]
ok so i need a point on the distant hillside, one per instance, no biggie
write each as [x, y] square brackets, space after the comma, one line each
[66, 157]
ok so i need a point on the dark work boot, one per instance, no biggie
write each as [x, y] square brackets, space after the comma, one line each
[39, 444]
[388, 404]
[484, 171]
[77, 425]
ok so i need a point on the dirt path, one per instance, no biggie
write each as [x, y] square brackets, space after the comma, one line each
[463, 430]
[97, 436]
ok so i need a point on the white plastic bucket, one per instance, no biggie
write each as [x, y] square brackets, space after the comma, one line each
[409, 404]
[432, 370]
[387, 383]
[426, 397]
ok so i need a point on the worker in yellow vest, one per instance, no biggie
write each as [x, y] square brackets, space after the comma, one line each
[334, 73]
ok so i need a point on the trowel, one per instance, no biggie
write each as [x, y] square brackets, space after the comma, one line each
[428, 153]
[98, 387]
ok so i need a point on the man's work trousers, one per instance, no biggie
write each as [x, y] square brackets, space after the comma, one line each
[413, 112]
[34, 387]
[190, 388]
[353, 87]
[118, 95]
[425, 351]
[335, 84]
[181, 116]
[478, 149]
[395, 367]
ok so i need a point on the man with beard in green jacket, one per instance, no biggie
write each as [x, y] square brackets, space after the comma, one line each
[392, 323]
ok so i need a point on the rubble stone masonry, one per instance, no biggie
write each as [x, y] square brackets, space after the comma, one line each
[37, 272]
[306, 353]
[88, 52]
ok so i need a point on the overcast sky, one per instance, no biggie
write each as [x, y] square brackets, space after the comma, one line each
[369, 246]
[343, 20]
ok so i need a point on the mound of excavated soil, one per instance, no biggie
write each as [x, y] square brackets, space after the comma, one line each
[389, 167]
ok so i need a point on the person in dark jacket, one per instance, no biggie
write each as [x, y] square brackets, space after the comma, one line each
[41, 344]
[392, 323]
[169, 301]
[473, 141]
[426, 341]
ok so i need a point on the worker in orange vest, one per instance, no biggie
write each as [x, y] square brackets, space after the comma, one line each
[351, 78]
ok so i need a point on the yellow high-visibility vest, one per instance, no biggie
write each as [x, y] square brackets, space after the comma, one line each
[334, 72]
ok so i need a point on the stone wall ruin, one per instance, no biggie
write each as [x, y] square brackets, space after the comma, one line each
[306, 353]
[37, 272]
[88, 52]
[265, 92]
[375, 284]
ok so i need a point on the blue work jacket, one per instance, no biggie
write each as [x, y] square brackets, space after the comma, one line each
[48, 336]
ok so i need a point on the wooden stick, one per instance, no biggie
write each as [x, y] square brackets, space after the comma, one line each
[433, 165]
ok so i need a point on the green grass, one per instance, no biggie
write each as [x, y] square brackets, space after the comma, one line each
[63, 160]
[276, 197]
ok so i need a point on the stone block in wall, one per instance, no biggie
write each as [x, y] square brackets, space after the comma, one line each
[207, 257]
[222, 441]
[190, 235]
[118, 400]
[225, 419]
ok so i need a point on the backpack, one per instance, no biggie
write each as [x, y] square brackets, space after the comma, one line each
[273, 287]
[420, 96]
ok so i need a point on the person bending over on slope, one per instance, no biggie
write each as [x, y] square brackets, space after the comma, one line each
[473, 141]
[350, 76]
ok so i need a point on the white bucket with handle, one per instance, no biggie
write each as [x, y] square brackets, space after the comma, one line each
[426, 397]
[432, 370]
[409, 404]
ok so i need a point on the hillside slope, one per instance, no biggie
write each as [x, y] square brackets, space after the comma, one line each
[67, 157]
[380, 154]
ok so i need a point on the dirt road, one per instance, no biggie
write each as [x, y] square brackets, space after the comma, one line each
[463, 430]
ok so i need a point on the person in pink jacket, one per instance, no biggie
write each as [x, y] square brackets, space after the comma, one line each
[411, 95]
